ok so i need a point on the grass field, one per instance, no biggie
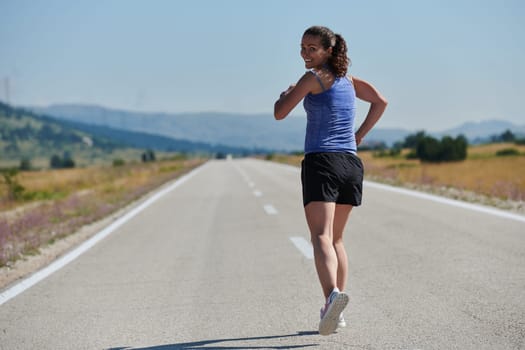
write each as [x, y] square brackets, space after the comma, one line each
[483, 172]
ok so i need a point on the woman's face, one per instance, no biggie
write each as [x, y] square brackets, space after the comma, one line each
[313, 52]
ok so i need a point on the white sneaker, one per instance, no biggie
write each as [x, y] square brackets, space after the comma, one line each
[341, 323]
[331, 312]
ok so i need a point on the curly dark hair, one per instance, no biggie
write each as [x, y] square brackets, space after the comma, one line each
[339, 61]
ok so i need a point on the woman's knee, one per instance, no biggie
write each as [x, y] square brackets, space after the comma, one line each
[338, 244]
[322, 239]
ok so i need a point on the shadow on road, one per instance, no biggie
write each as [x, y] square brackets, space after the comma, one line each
[203, 343]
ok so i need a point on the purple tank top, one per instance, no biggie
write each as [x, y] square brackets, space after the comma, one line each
[330, 118]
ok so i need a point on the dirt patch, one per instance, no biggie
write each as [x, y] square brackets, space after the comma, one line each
[21, 268]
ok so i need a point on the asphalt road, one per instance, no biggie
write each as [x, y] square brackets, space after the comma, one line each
[222, 261]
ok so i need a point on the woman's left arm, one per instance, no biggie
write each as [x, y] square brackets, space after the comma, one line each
[367, 92]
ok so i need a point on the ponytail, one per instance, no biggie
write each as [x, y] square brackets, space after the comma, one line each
[339, 60]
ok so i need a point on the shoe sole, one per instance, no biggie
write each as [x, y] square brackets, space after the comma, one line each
[328, 324]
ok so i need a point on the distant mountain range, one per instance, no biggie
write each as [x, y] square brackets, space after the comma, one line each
[26, 135]
[235, 130]
[477, 132]
[93, 133]
[244, 131]
[31, 135]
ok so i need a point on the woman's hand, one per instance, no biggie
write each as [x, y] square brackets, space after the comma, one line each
[358, 139]
[287, 91]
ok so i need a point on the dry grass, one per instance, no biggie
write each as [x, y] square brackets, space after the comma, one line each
[498, 176]
[482, 172]
[59, 202]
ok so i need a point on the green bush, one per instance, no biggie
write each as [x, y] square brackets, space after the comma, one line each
[508, 152]
[15, 190]
[429, 149]
[25, 164]
[118, 162]
[148, 156]
[57, 162]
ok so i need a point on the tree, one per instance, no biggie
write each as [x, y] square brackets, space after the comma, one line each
[25, 164]
[507, 136]
[67, 161]
[448, 149]
[55, 162]
[411, 141]
[461, 147]
[148, 156]
[428, 149]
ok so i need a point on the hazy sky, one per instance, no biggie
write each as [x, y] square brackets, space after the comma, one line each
[439, 63]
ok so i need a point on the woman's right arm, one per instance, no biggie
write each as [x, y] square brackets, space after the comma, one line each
[293, 95]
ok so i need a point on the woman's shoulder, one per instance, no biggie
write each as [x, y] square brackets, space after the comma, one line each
[310, 75]
[310, 81]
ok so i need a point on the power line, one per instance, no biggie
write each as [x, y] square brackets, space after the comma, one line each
[6, 86]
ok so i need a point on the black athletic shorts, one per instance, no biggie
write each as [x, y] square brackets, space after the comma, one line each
[332, 177]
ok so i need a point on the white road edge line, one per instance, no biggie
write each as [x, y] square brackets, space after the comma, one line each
[304, 246]
[448, 201]
[75, 253]
[270, 209]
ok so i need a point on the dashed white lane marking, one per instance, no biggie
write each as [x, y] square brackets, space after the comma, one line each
[270, 209]
[304, 246]
[84, 247]
[257, 193]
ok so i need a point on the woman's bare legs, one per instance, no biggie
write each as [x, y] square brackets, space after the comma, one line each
[320, 218]
[327, 221]
[340, 219]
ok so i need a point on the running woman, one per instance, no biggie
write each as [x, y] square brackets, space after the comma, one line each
[331, 172]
